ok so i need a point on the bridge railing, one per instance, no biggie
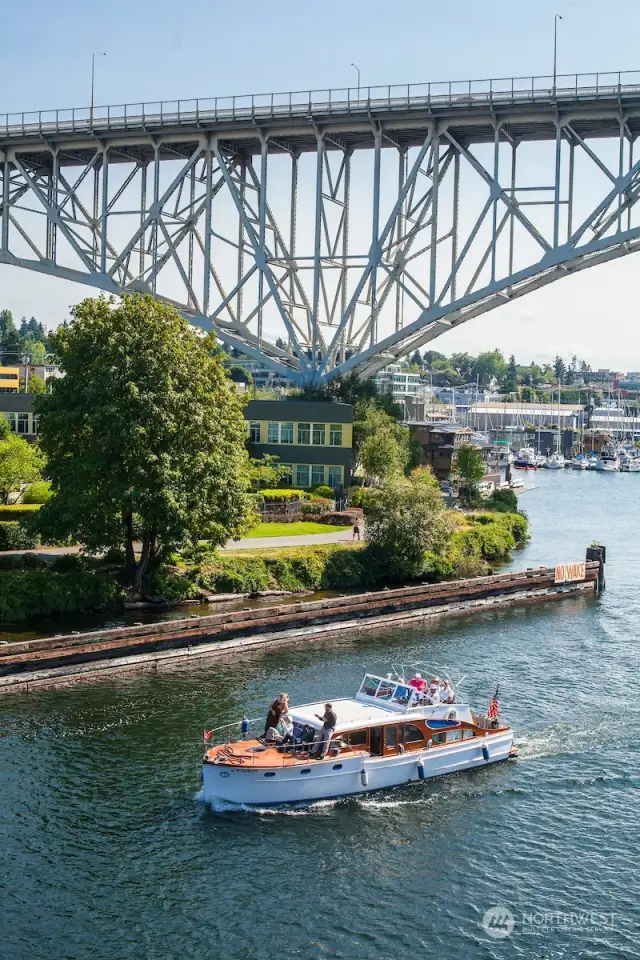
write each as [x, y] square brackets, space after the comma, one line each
[355, 101]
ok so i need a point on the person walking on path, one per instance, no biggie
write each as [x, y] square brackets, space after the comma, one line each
[356, 530]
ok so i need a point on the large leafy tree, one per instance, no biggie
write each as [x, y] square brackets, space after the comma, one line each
[469, 466]
[382, 445]
[405, 518]
[144, 434]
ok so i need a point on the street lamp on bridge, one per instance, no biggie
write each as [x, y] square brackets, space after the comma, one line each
[357, 69]
[557, 17]
[96, 53]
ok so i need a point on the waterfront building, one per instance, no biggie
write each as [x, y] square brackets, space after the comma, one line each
[18, 410]
[440, 441]
[494, 415]
[398, 381]
[313, 439]
[9, 379]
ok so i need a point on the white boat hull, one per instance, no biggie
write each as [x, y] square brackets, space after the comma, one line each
[348, 776]
[607, 466]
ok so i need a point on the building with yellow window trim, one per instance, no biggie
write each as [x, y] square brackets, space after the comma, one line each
[314, 439]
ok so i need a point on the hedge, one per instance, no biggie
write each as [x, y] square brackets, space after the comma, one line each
[13, 536]
[33, 593]
[281, 496]
[18, 511]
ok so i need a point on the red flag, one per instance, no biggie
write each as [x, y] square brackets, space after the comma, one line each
[494, 706]
[207, 735]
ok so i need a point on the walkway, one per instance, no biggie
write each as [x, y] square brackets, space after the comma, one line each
[255, 543]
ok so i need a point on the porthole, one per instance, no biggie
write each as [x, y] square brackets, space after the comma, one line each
[308, 770]
[224, 773]
[270, 773]
[337, 766]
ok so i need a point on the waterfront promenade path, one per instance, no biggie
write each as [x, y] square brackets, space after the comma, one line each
[250, 543]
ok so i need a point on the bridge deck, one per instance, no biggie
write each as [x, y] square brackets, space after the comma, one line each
[528, 109]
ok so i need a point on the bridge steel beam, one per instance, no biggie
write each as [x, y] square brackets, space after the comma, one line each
[331, 231]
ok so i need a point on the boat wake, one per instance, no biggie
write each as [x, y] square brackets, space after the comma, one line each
[562, 740]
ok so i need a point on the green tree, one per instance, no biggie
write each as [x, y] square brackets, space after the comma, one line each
[416, 358]
[469, 466]
[239, 375]
[35, 350]
[559, 370]
[264, 471]
[404, 519]
[21, 463]
[36, 384]
[382, 446]
[144, 434]
[488, 366]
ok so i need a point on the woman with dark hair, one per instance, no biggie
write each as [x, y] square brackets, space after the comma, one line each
[279, 706]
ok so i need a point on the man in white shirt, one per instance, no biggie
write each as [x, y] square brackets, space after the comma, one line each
[446, 692]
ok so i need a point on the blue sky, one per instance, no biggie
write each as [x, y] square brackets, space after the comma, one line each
[172, 50]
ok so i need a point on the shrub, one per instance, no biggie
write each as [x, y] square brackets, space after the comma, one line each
[13, 536]
[316, 507]
[114, 555]
[30, 593]
[18, 511]
[342, 518]
[502, 501]
[32, 561]
[281, 496]
[69, 563]
[324, 491]
[38, 493]
[12, 562]
[167, 583]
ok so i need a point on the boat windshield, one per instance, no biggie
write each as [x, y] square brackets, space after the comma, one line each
[389, 691]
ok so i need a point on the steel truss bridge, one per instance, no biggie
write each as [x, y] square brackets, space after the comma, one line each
[352, 226]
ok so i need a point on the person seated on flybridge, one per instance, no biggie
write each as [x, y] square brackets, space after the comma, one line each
[418, 682]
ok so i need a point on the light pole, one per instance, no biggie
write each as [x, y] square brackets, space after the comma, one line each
[96, 53]
[555, 49]
[357, 68]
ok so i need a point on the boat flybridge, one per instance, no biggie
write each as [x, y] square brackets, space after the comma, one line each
[390, 734]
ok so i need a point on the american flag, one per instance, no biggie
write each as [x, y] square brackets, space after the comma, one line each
[494, 706]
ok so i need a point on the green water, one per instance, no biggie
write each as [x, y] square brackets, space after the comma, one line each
[108, 853]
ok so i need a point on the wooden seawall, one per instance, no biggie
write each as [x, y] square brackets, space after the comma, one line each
[52, 661]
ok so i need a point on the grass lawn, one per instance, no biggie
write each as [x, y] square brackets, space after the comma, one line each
[299, 529]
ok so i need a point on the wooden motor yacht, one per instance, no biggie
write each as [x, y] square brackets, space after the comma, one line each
[390, 734]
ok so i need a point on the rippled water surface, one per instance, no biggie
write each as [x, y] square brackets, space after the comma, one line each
[108, 853]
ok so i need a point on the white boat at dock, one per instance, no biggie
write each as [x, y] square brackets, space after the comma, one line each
[556, 462]
[390, 734]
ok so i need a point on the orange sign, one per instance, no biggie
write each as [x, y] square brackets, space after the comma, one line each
[570, 572]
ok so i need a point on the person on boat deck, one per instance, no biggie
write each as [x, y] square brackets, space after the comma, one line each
[432, 692]
[276, 710]
[446, 692]
[418, 682]
[324, 735]
[285, 729]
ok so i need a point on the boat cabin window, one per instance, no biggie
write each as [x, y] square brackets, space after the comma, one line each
[412, 734]
[390, 737]
[468, 734]
[447, 736]
[356, 738]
